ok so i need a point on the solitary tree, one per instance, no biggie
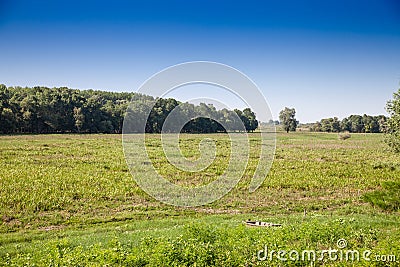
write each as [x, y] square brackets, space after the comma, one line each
[250, 119]
[393, 123]
[288, 120]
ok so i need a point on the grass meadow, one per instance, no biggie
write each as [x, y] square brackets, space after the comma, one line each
[70, 200]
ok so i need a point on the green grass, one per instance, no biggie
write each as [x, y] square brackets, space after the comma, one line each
[388, 198]
[219, 240]
[70, 200]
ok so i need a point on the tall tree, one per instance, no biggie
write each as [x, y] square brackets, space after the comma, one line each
[356, 124]
[251, 118]
[288, 119]
[330, 125]
[393, 123]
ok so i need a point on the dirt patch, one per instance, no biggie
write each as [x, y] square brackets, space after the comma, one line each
[321, 146]
[51, 227]
[217, 211]
[11, 221]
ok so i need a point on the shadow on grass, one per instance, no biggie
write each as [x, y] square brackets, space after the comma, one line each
[387, 198]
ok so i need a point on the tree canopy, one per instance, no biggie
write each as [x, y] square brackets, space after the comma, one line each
[352, 124]
[60, 110]
[288, 120]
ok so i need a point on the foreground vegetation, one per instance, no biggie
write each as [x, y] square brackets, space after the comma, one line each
[70, 200]
[214, 240]
[393, 124]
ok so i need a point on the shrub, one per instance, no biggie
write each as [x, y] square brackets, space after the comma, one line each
[393, 123]
[344, 136]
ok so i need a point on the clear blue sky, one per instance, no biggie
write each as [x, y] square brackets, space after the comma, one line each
[325, 58]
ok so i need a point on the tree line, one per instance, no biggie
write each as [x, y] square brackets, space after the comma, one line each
[63, 110]
[352, 124]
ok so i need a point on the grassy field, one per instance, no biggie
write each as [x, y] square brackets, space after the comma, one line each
[69, 200]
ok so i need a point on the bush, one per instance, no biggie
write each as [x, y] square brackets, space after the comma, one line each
[344, 136]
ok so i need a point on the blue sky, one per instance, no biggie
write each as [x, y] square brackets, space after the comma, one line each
[325, 58]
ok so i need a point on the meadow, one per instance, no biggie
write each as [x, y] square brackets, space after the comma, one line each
[70, 200]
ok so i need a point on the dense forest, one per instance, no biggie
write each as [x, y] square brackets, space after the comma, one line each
[62, 110]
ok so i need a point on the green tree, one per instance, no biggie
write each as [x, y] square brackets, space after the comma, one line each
[8, 120]
[316, 127]
[356, 124]
[251, 118]
[243, 118]
[371, 124]
[345, 125]
[382, 123]
[57, 110]
[393, 122]
[79, 118]
[330, 125]
[288, 119]
[326, 125]
[4, 109]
